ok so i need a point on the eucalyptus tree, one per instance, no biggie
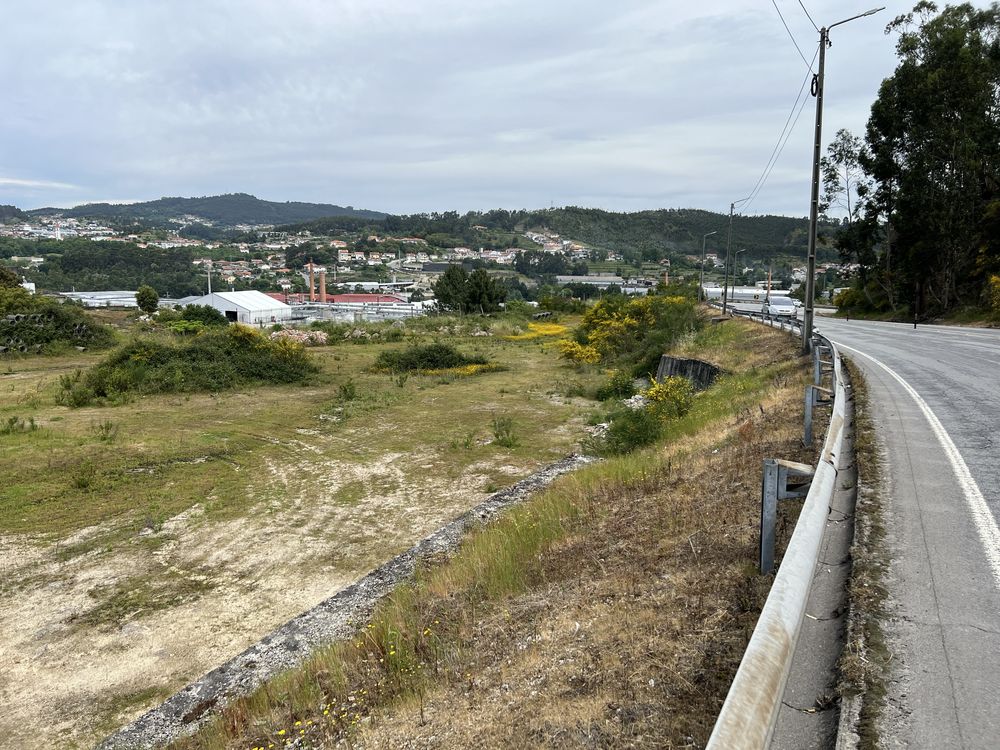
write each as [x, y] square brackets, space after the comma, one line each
[933, 152]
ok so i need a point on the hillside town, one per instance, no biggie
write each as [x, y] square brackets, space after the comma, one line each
[364, 268]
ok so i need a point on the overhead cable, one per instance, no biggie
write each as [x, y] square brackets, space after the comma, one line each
[791, 36]
[808, 16]
[793, 117]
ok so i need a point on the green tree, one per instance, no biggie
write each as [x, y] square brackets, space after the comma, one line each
[483, 292]
[933, 152]
[147, 299]
[8, 278]
[450, 289]
[205, 314]
[844, 183]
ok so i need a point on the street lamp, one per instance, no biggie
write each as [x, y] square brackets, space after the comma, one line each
[701, 284]
[824, 41]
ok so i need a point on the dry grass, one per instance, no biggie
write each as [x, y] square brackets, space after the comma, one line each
[611, 611]
[864, 663]
[192, 525]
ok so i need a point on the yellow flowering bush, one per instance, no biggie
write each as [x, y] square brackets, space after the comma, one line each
[671, 397]
[464, 370]
[578, 353]
[625, 326]
[537, 330]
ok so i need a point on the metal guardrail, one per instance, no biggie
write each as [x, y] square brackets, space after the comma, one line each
[750, 711]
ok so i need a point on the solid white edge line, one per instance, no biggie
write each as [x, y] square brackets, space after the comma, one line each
[986, 525]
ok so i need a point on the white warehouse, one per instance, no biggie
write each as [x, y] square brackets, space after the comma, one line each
[252, 308]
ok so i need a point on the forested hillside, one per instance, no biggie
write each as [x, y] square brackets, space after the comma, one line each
[100, 266]
[12, 212]
[648, 235]
[225, 210]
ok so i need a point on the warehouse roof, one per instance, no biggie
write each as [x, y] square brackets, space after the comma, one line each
[249, 300]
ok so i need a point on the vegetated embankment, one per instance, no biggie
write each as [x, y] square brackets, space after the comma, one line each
[611, 610]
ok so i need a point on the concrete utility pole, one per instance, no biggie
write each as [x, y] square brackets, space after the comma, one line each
[817, 87]
[729, 244]
[701, 283]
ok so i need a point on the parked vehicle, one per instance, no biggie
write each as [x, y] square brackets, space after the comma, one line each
[779, 307]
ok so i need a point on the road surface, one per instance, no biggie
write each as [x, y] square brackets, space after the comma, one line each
[935, 394]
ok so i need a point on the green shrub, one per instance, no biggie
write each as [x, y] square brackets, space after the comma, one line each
[215, 360]
[629, 429]
[503, 432]
[347, 391]
[186, 327]
[426, 357]
[30, 324]
[635, 331]
[204, 314]
[620, 384]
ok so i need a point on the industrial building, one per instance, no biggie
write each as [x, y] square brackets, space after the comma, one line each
[251, 308]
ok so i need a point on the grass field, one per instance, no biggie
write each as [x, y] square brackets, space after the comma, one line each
[609, 611]
[141, 545]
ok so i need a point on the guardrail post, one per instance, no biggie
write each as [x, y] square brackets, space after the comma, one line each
[768, 514]
[807, 432]
[817, 366]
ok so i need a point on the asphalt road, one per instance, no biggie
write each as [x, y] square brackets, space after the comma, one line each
[935, 395]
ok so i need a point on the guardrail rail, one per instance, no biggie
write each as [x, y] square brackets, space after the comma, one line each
[750, 711]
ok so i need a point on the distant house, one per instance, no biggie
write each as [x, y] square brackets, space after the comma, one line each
[251, 308]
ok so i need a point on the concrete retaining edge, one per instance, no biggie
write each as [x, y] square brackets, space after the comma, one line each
[333, 619]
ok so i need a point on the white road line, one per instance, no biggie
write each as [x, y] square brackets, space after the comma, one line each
[986, 525]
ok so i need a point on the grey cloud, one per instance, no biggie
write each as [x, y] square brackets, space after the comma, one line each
[422, 105]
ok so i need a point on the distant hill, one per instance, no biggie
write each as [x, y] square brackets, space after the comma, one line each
[648, 235]
[678, 230]
[12, 212]
[223, 210]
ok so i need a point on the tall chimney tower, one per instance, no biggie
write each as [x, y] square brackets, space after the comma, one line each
[312, 283]
[322, 285]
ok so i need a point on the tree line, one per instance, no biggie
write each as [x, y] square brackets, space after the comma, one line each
[921, 189]
[638, 236]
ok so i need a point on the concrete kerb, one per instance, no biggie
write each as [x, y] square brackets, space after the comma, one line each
[333, 619]
[751, 707]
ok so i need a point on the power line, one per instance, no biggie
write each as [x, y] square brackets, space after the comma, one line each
[808, 16]
[791, 35]
[777, 156]
[786, 132]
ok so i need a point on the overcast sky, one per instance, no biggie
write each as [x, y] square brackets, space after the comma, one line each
[421, 105]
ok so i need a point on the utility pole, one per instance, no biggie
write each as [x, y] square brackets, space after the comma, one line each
[701, 283]
[729, 244]
[824, 41]
[807, 323]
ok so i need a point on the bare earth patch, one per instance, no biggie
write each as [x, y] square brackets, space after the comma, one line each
[105, 620]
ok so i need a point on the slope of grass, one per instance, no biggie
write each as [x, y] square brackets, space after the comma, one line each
[610, 610]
